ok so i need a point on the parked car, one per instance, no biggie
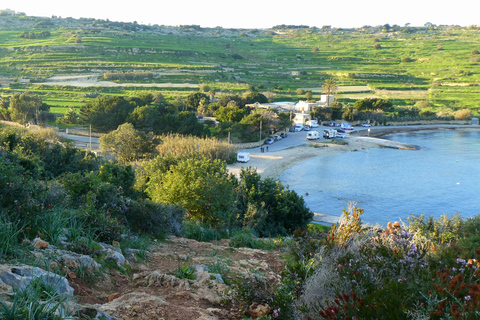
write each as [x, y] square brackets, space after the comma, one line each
[291, 129]
[243, 157]
[269, 141]
[366, 125]
[298, 128]
[283, 135]
[333, 124]
[340, 130]
[277, 137]
[307, 128]
[340, 135]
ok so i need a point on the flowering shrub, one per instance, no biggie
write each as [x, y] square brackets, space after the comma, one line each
[392, 273]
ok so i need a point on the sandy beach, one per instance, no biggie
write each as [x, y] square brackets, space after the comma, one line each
[272, 164]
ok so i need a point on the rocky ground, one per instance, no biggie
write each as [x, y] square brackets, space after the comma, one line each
[151, 291]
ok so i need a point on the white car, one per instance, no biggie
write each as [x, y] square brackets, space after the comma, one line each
[298, 128]
[366, 125]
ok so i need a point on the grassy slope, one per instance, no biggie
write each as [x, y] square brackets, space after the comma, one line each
[447, 77]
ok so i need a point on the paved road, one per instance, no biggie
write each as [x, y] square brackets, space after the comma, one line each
[80, 138]
[298, 138]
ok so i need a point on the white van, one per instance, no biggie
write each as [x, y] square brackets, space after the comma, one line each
[313, 135]
[243, 157]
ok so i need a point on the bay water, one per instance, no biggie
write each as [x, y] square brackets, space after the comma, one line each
[389, 184]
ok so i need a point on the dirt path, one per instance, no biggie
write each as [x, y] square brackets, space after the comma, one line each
[151, 292]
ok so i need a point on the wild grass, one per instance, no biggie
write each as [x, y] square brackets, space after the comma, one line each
[178, 145]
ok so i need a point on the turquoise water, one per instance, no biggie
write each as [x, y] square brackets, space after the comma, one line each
[390, 184]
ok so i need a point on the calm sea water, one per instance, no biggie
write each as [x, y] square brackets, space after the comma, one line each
[390, 184]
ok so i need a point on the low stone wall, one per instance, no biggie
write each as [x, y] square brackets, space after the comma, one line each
[79, 132]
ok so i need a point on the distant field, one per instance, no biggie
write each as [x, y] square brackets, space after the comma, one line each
[405, 64]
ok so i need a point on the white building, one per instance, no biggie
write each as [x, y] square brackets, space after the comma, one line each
[323, 98]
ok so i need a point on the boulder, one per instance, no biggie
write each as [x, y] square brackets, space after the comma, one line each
[68, 259]
[113, 253]
[20, 276]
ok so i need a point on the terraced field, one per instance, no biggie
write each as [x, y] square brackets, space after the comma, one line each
[438, 64]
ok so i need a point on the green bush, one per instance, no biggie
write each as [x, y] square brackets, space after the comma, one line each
[245, 239]
[155, 219]
[201, 232]
[268, 208]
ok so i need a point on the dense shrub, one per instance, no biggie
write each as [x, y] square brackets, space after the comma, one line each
[464, 114]
[203, 187]
[154, 219]
[268, 208]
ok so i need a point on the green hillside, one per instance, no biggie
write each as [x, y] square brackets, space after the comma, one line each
[405, 64]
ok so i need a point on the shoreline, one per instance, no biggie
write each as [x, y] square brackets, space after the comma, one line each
[273, 163]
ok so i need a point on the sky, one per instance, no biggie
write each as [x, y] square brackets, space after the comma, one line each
[251, 14]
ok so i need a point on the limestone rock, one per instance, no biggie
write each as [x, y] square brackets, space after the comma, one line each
[69, 259]
[257, 310]
[39, 243]
[113, 253]
[20, 276]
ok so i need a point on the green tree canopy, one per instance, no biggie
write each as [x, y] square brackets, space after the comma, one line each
[229, 114]
[195, 99]
[144, 118]
[129, 144]
[224, 100]
[25, 107]
[268, 207]
[201, 186]
[372, 104]
[107, 113]
[254, 96]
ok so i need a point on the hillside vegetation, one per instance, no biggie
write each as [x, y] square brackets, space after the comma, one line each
[436, 64]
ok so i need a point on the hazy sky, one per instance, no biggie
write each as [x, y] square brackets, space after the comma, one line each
[259, 13]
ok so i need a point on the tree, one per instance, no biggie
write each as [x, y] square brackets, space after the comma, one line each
[202, 187]
[184, 122]
[254, 96]
[107, 113]
[224, 100]
[194, 99]
[229, 114]
[329, 88]
[308, 94]
[269, 208]
[129, 144]
[300, 91]
[144, 118]
[204, 88]
[25, 107]
[70, 117]
[372, 104]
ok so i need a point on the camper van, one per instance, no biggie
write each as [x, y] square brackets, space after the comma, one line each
[312, 123]
[329, 133]
[313, 135]
[243, 157]
[346, 126]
